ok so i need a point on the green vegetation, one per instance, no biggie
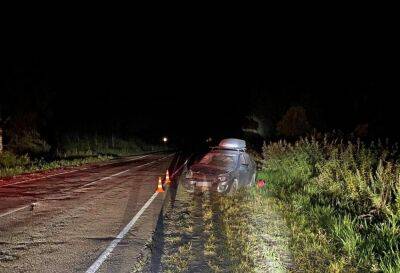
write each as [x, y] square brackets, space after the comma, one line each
[27, 151]
[176, 231]
[256, 235]
[30, 147]
[341, 202]
[89, 145]
[24, 137]
[11, 164]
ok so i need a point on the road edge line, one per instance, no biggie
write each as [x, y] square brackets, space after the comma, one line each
[67, 172]
[100, 260]
[17, 209]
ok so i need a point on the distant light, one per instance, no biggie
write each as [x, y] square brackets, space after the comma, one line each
[165, 139]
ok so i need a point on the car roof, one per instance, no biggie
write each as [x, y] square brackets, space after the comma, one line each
[231, 144]
[225, 152]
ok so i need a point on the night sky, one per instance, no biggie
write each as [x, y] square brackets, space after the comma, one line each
[196, 92]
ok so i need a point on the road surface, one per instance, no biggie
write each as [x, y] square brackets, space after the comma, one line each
[96, 219]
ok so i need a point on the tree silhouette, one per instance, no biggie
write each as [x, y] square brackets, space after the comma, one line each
[294, 122]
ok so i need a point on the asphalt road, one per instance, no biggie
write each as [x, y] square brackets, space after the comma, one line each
[95, 219]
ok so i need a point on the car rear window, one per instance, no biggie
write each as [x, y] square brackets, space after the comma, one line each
[220, 160]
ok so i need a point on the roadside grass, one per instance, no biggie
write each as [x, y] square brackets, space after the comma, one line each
[214, 248]
[179, 259]
[71, 150]
[25, 165]
[177, 252]
[256, 234]
[340, 200]
[240, 233]
[89, 145]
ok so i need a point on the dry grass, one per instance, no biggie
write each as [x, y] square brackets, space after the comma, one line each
[27, 165]
[240, 233]
[256, 235]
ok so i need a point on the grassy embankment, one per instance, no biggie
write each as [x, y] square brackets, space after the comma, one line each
[72, 151]
[341, 202]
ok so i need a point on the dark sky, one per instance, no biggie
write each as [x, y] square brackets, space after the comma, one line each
[198, 87]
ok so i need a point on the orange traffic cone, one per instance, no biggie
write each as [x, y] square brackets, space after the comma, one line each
[167, 180]
[159, 186]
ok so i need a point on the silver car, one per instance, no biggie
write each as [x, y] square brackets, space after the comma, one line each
[224, 169]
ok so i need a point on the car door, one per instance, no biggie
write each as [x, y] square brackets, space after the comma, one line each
[244, 169]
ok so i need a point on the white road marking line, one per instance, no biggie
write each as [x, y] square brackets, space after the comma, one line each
[116, 174]
[17, 209]
[100, 260]
[104, 178]
[72, 171]
[101, 179]
[133, 159]
[38, 178]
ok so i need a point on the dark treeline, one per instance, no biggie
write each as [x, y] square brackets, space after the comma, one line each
[104, 97]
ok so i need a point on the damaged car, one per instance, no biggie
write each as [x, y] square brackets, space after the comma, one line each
[224, 169]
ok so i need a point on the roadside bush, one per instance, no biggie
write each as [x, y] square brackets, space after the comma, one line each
[341, 201]
[10, 160]
[88, 145]
[29, 142]
[24, 137]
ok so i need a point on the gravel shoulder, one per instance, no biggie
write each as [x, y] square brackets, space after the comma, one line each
[212, 233]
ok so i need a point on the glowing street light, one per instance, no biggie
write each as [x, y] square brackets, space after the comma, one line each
[165, 139]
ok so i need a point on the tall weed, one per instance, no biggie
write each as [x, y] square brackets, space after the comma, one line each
[341, 198]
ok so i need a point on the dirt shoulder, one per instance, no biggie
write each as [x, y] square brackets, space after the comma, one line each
[213, 233]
